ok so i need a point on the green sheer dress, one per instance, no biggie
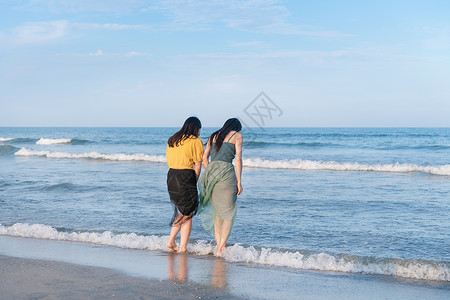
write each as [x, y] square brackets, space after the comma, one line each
[218, 187]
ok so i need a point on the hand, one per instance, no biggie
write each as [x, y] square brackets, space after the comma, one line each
[239, 189]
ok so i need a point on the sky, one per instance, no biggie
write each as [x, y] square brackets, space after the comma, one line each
[155, 63]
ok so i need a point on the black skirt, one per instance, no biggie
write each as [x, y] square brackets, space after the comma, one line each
[182, 187]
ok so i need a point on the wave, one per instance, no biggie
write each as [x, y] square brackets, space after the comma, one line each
[43, 141]
[260, 144]
[93, 155]
[265, 144]
[417, 147]
[296, 164]
[416, 269]
[300, 164]
[18, 140]
[364, 135]
[67, 186]
[7, 149]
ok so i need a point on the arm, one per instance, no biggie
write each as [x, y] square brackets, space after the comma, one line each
[206, 154]
[198, 169]
[238, 162]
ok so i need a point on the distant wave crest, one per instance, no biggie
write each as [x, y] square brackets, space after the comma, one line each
[301, 164]
[416, 269]
[92, 155]
[296, 164]
[263, 144]
[43, 141]
[18, 140]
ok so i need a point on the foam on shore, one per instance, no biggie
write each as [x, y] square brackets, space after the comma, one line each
[416, 269]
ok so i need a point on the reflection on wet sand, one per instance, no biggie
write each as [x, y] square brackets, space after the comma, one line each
[178, 269]
[182, 273]
[219, 274]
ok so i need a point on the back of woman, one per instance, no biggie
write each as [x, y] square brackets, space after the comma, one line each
[221, 183]
[184, 152]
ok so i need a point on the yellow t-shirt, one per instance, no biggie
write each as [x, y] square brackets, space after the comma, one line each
[186, 154]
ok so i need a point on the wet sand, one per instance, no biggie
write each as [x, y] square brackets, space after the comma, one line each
[42, 279]
[44, 269]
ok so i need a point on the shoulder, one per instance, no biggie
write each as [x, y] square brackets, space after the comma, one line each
[238, 136]
[196, 141]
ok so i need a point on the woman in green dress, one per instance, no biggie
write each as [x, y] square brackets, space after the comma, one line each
[221, 183]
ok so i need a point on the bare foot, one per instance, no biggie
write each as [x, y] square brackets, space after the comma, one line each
[219, 252]
[172, 246]
[182, 250]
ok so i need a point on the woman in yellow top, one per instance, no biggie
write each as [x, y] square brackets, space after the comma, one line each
[184, 154]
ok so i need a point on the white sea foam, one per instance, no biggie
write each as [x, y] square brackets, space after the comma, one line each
[93, 155]
[6, 139]
[43, 141]
[416, 269]
[297, 164]
[301, 164]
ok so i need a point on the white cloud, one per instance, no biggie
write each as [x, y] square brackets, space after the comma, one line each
[440, 39]
[266, 16]
[98, 53]
[38, 32]
[105, 6]
[263, 16]
[108, 26]
[247, 44]
[314, 57]
[128, 54]
[133, 53]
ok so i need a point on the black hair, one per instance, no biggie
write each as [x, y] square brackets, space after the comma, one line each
[190, 127]
[219, 135]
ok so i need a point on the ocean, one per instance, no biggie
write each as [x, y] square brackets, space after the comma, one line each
[353, 200]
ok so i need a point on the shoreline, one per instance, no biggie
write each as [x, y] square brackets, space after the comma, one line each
[45, 279]
[152, 274]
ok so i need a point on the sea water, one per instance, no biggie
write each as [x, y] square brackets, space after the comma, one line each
[358, 200]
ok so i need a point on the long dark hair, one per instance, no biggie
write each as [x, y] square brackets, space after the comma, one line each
[219, 135]
[190, 127]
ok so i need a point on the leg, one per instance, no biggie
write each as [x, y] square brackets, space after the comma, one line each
[226, 228]
[173, 234]
[185, 233]
[218, 229]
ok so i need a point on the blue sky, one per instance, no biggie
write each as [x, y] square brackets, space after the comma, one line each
[154, 63]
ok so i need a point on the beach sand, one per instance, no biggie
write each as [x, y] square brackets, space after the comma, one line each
[44, 269]
[43, 279]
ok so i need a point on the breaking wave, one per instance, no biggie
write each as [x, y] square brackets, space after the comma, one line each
[7, 149]
[301, 164]
[43, 141]
[297, 164]
[416, 269]
[93, 155]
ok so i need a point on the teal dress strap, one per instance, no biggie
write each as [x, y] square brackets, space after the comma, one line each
[231, 136]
